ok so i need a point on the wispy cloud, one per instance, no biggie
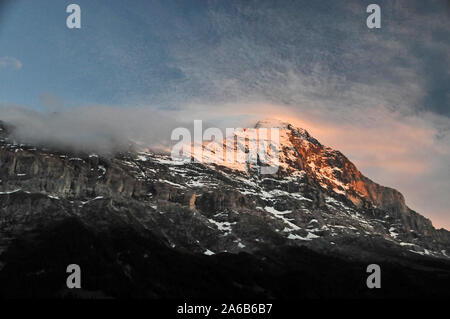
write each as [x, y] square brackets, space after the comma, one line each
[97, 128]
[9, 62]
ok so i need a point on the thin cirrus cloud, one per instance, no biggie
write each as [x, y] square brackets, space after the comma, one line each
[10, 62]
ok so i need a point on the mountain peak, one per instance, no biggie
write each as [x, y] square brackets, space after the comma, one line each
[282, 125]
[272, 123]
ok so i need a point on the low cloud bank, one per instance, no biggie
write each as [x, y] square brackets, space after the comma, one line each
[100, 129]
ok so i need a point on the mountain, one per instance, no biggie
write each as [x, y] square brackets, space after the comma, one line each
[142, 225]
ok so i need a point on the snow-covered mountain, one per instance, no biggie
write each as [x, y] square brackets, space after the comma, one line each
[317, 199]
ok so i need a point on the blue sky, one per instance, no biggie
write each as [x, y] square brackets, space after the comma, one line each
[381, 96]
[116, 54]
[128, 52]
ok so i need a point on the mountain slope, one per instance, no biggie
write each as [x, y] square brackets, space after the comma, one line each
[317, 200]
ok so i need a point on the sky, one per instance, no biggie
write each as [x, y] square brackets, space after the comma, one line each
[138, 68]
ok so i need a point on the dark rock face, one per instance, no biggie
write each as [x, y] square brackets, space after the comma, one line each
[133, 205]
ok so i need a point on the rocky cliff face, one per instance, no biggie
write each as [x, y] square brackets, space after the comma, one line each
[317, 198]
[332, 171]
[112, 213]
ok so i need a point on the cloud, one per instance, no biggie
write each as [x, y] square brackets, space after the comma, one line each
[6, 62]
[98, 128]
